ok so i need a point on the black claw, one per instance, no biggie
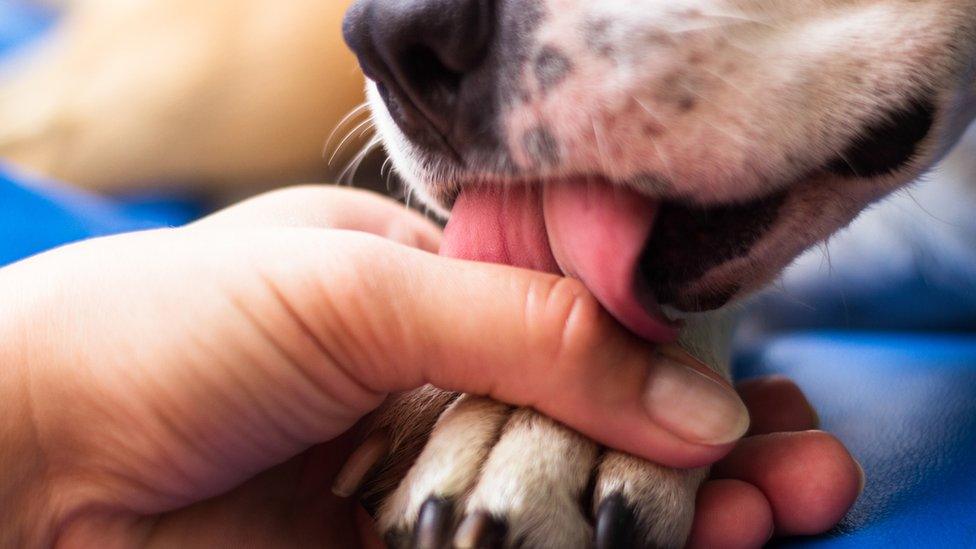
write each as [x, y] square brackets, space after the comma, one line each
[616, 524]
[433, 530]
[481, 531]
[397, 539]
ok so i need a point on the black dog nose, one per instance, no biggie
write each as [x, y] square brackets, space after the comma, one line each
[418, 52]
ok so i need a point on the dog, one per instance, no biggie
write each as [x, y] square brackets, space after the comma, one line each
[729, 135]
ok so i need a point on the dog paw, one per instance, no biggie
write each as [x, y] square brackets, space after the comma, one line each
[493, 476]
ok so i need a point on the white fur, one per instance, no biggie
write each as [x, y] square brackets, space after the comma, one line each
[449, 464]
[539, 497]
[664, 498]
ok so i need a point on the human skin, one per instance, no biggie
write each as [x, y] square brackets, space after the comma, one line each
[201, 386]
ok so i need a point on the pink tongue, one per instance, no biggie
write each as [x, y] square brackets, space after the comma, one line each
[592, 231]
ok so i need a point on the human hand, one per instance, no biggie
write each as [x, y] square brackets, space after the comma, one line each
[193, 385]
[784, 479]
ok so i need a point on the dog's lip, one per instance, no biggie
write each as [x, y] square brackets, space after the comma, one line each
[565, 227]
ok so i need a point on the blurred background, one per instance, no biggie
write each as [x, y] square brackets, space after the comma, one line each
[215, 99]
[125, 114]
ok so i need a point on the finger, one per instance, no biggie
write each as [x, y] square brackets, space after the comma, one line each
[776, 405]
[809, 478]
[730, 514]
[325, 206]
[519, 336]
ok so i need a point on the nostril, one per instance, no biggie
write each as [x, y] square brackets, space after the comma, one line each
[421, 52]
[431, 79]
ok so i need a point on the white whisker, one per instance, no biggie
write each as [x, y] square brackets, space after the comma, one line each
[345, 140]
[602, 154]
[387, 165]
[358, 110]
[349, 172]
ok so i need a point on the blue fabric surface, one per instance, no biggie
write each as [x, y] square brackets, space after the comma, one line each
[21, 21]
[905, 405]
[36, 215]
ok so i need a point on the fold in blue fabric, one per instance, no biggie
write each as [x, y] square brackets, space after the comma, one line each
[905, 406]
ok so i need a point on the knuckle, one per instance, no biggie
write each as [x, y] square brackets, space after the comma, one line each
[567, 319]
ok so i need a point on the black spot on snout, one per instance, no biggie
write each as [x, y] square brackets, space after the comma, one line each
[551, 68]
[541, 146]
[889, 144]
[597, 33]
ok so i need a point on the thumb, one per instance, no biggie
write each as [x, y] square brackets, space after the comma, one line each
[484, 329]
[397, 318]
[169, 366]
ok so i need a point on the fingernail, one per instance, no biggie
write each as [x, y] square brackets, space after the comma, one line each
[692, 405]
[861, 478]
[353, 473]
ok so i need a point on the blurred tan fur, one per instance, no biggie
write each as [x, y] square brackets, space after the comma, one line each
[217, 94]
